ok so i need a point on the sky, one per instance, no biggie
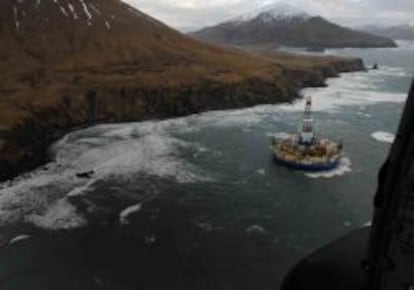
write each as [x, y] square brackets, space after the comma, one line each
[192, 14]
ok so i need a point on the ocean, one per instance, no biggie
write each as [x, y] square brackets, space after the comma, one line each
[197, 202]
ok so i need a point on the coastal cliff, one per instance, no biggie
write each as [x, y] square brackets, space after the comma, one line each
[24, 146]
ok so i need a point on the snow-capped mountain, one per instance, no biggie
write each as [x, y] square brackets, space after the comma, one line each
[275, 12]
[284, 24]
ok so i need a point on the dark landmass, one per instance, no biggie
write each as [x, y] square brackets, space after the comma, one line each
[293, 31]
[404, 32]
[107, 62]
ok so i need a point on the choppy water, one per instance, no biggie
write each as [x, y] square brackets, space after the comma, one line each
[201, 195]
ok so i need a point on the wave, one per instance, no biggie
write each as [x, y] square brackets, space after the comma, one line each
[122, 151]
[354, 89]
[343, 168]
[61, 215]
[382, 136]
[19, 239]
[124, 215]
[405, 44]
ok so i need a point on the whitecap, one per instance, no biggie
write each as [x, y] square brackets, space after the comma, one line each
[123, 216]
[120, 150]
[352, 89]
[343, 168]
[81, 190]
[153, 153]
[382, 136]
[363, 114]
[255, 229]
[61, 215]
[202, 149]
[19, 239]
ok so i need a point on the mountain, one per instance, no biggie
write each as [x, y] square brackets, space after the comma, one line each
[405, 32]
[83, 35]
[288, 26]
[281, 12]
[52, 48]
[72, 63]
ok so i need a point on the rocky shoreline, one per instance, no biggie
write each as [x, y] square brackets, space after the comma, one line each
[25, 147]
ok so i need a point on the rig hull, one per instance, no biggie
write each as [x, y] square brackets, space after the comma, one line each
[319, 155]
[306, 151]
[313, 167]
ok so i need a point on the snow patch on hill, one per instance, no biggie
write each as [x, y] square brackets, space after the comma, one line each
[275, 12]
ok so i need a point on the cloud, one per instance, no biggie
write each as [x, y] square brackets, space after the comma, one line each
[187, 14]
[192, 13]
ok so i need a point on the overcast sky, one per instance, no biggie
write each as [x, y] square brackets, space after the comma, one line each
[188, 14]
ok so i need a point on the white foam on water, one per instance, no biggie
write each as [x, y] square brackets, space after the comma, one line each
[121, 150]
[343, 168]
[354, 89]
[61, 215]
[81, 190]
[255, 229]
[242, 118]
[19, 239]
[123, 216]
[32, 198]
[392, 71]
[363, 114]
[202, 149]
[31, 195]
[126, 150]
[382, 136]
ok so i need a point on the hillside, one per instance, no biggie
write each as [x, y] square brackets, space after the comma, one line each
[284, 25]
[405, 32]
[72, 63]
[85, 36]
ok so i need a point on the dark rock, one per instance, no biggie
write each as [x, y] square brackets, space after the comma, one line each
[86, 174]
